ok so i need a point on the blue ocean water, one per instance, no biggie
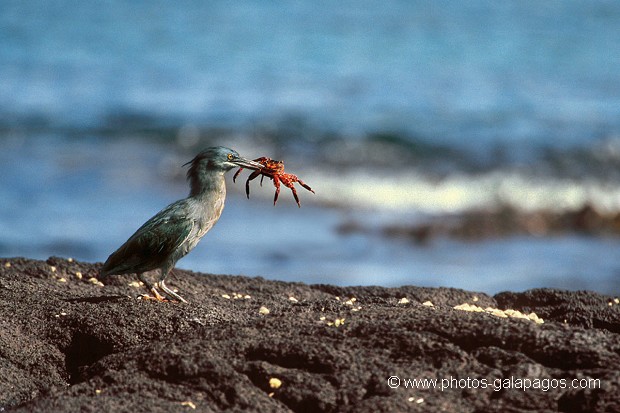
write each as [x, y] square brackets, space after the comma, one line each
[391, 110]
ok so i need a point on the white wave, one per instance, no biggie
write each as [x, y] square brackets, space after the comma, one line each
[460, 192]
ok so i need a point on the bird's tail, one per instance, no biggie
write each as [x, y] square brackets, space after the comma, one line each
[110, 266]
[103, 272]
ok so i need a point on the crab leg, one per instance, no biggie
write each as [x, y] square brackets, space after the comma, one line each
[237, 174]
[276, 182]
[253, 175]
[295, 195]
[302, 183]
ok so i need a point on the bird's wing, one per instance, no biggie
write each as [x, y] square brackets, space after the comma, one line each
[151, 245]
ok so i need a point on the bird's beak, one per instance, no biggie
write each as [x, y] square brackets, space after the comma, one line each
[246, 163]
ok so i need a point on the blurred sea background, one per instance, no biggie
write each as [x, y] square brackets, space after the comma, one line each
[464, 144]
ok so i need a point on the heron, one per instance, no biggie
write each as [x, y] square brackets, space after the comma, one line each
[176, 230]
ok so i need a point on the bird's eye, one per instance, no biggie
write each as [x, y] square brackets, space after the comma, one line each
[230, 156]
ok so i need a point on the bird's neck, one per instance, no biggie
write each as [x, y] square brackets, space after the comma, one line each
[207, 183]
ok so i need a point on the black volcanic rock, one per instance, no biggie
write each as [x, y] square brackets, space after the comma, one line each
[68, 344]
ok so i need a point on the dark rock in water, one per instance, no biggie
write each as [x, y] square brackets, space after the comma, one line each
[504, 221]
[69, 344]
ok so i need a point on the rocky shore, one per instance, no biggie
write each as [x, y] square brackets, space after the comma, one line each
[69, 343]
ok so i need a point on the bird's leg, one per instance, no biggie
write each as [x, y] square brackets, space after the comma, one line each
[168, 290]
[171, 293]
[156, 295]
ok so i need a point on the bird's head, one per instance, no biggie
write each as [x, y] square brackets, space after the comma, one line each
[219, 158]
[216, 160]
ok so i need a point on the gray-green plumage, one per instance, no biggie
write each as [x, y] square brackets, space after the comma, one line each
[175, 230]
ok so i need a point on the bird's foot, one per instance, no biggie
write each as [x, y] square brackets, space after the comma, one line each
[152, 298]
[155, 297]
[160, 298]
[171, 293]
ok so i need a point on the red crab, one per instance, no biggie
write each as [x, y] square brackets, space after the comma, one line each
[275, 171]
